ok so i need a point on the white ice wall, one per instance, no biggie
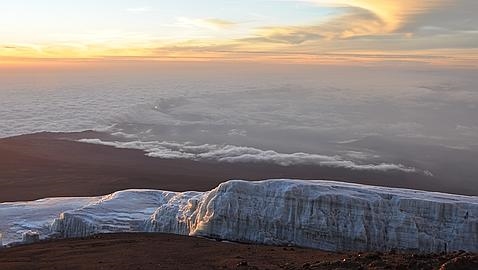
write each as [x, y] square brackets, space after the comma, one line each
[328, 215]
[319, 214]
[17, 218]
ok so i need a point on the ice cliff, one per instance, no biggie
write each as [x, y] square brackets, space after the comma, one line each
[122, 211]
[319, 214]
[18, 218]
[326, 215]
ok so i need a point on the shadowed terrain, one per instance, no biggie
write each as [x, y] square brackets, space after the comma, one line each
[163, 251]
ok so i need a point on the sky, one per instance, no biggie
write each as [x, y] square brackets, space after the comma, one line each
[441, 32]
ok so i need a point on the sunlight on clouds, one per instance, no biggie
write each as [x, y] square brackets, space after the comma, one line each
[209, 23]
[392, 13]
[405, 30]
[356, 18]
[59, 51]
[356, 22]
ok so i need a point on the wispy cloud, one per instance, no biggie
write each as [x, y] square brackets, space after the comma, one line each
[210, 23]
[240, 154]
[374, 30]
[356, 18]
[355, 22]
[393, 14]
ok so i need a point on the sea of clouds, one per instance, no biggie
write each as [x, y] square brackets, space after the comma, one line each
[286, 115]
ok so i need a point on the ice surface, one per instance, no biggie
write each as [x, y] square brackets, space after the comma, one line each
[29, 237]
[123, 211]
[319, 214]
[19, 217]
[326, 215]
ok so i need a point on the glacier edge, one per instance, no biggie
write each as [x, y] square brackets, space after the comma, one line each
[327, 215]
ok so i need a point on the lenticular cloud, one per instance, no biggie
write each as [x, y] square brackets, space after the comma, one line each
[233, 154]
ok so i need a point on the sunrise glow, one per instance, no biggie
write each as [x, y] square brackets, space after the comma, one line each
[431, 31]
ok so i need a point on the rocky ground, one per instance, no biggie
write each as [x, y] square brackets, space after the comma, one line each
[456, 260]
[162, 251]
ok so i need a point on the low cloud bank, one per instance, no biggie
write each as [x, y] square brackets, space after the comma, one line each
[233, 154]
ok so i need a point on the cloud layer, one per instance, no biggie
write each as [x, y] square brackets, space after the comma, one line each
[233, 154]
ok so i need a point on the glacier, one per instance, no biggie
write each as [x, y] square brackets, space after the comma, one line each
[326, 215]
[17, 218]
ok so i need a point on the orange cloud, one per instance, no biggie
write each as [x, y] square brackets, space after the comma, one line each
[392, 13]
[362, 31]
[358, 18]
